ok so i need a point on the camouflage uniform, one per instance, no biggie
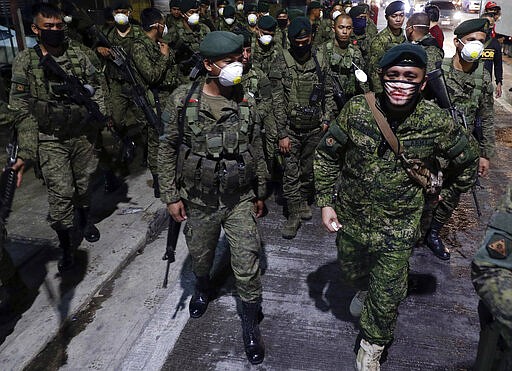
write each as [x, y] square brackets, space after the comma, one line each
[60, 130]
[281, 38]
[341, 68]
[216, 189]
[377, 203]
[435, 54]
[381, 43]
[322, 31]
[158, 75]
[363, 41]
[492, 278]
[264, 56]
[298, 120]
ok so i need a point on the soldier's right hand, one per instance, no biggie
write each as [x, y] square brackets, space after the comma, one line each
[177, 211]
[105, 52]
[19, 166]
[330, 219]
[285, 145]
[164, 48]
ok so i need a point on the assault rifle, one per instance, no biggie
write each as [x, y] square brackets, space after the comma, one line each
[8, 179]
[338, 94]
[437, 86]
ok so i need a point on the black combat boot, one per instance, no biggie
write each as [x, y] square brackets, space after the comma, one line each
[202, 295]
[253, 342]
[67, 260]
[156, 186]
[111, 182]
[89, 230]
[433, 241]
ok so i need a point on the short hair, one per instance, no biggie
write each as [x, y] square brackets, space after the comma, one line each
[340, 17]
[488, 15]
[46, 10]
[150, 16]
[421, 20]
[432, 12]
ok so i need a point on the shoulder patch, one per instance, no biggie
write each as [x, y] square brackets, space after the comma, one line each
[20, 88]
[329, 141]
[499, 246]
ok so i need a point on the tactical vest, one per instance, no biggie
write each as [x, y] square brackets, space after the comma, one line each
[112, 71]
[302, 115]
[219, 159]
[55, 114]
[341, 64]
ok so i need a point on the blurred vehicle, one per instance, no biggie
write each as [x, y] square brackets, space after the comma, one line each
[471, 6]
[449, 16]
[9, 44]
[409, 9]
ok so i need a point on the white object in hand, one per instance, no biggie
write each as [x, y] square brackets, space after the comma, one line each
[334, 225]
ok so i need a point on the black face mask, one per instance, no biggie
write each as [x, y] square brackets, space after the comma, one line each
[301, 51]
[282, 23]
[122, 27]
[53, 38]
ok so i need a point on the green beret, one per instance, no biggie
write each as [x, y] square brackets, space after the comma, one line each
[186, 5]
[218, 44]
[470, 26]
[263, 7]
[357, 11]
[247, 36]
[250, 8]
[229, 12]
[121, 4]
[294, 13]
[405, 54]
[222, 2]
[282, 11]
[299, 27]
[267, 23]
[314, 5]
[395, 6]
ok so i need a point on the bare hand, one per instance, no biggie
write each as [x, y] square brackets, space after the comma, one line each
[324, 127]
[330, 219]
[498, 90]
[177, 211]
[164, 48]
[260, 209]
[105, 52]
[483, 167]
[19, 166]
[285, 145]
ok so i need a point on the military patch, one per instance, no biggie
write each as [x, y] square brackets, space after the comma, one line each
[329, 141]
[499, 246]
[20, 87]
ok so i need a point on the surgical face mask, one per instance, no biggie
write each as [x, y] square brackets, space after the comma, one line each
[121, 19]
[53, 38]
[68, 18]
[252, 19]
[321, 14]
[239, 7]
[335, 14]
[220, 11]
[165, 31]
[229, 21]
[347, 9]
[359, 25]
[193, 19]
[401, 93]
[265, 39]
[230, 74]
[472, 50]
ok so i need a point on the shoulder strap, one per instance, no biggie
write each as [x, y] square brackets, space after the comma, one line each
[181, 116]
[479, 80]
[383, 124]
[317, 67]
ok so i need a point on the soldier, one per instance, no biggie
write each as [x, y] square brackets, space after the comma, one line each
[263, 8]
[416, 31]
[315, 15]
[188, 33]
[209, 180]
[205, 15]
[265, 50]
[299, 82]
[379, 198]
[281, 37]
[362, 36]
[175, 15]
[387, 38]
[341, 56]
[59, 129]
[239, 15]
[221, 4]
[251, 12]
[471, 91]
[227, 20]
[155, 66]
[491, 274]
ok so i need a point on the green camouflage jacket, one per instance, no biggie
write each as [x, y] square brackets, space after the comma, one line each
[126, 42]
[435, 54]
[264, 57]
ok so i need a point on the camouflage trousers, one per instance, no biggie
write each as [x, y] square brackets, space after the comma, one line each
[384, 274]
[202, 233]
[66, 166]
[298, 182]
[270, 144]
[128, 118]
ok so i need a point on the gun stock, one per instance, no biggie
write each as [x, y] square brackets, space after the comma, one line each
[173, 233]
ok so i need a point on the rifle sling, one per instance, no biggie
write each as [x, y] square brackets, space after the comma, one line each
[383, 124]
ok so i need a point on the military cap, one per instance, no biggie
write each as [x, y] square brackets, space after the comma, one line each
[294, 13]
[263, 7]
[395, 6]
[250, 8]
[405, 54]
[222, 2]
[174, 3]
[218, 44]
[282, 11]
[267, 23]
[357, 11]
[205, 2]
[186, 5]
[470, 26]
[247, 36]
[229, 12]
[299, 27]
[314, 5]
[121, 4]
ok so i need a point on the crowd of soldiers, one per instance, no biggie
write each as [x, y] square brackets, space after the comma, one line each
[313, 108]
